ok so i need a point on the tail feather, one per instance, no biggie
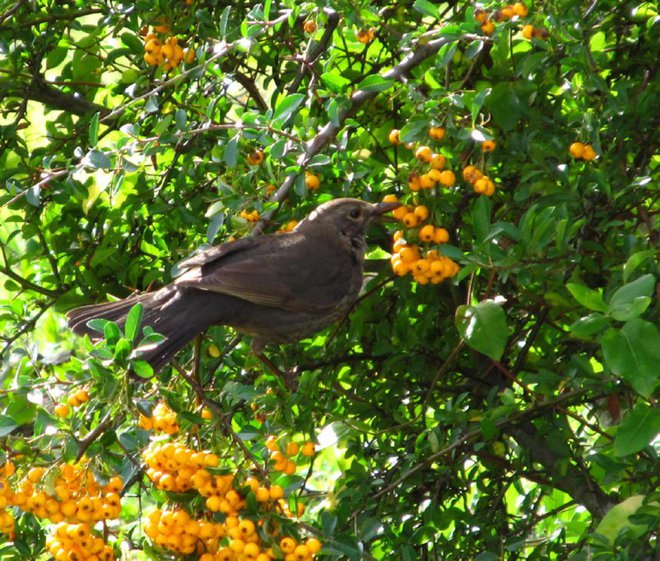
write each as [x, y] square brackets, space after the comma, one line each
[112, 311]
[178, 315]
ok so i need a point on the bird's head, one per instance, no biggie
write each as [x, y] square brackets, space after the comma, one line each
[349, 216]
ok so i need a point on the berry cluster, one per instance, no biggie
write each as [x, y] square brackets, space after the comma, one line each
[175, 467]
[281, 458]
[366, 35]
[162, 419]
[250, 216]
[166, 52]
[70, 493]
[7, 525]
[432, 268]
[482, 184]
[176, 531]
[76, 399]
[76, 542]
[582, 151]
[508, 12]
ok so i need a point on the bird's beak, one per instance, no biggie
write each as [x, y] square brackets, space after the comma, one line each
[381, 208]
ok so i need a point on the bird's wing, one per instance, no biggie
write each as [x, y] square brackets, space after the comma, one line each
[286, 271]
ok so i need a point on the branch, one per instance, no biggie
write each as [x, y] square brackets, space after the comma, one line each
[358, 99]
[566, 477]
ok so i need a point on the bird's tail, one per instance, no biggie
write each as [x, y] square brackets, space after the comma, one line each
[178, 319]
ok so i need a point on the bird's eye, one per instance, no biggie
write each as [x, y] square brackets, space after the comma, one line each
[355, 213]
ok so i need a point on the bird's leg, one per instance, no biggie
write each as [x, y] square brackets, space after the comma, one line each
[288, 377]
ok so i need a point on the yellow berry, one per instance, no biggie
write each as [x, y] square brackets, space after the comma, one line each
[589, 153]
[255, 157]
[437, 133]
[488, 27]
[309, 27]
[314, 545]
[440, 235]
[61, 410]
[410, 220]
[426, 233]
[447, 178]
[520, 9]
[528, 31]
[423, 154]
[288, 545]
[438, 161]
[394, 137]
[576, 150]
[421, 212]
[312, 181]
[488, 145]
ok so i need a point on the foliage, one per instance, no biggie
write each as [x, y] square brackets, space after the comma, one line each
[498, 414]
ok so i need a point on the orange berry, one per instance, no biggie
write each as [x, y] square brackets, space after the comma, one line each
[471, 174]
[309, 27]
[312, 181]
[82, 396]
[520, 9]
[488, 145]
[421, 212]
[414, 184]
[438, 161]
[410, 220]
[576, 150]
[426, 181]
[488, 27]
[314, 545]
[394, 137]
[589, 153]
[292, 448]
[400, 268]
[290, 468]
[276, 492]
[206, 414]
[528, 31]
[302, 553]
[255, 157]
[262, 495]
[426, 233]
[61, 410]
[437, 133]
[409, 254]
[480, 15]
[288, 545]
[440, 235]
[423, 154]
[390, 199]
[447, 178]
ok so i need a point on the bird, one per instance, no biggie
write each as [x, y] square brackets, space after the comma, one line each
[276, 288]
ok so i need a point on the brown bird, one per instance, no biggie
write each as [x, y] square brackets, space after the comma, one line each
[276, 288]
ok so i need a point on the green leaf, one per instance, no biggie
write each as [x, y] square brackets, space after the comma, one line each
[7, 425]
[633, 352]
[287, 106]
[142, 368]
[589, 325]
[632, 299]
[412, 130]
[231, 152]
[97, 159]
[617, 518]
[375, 83]
[635, 261]
[133, 320]
[638, 428]
[334, 81]
[587, 297]
[425, 7]
[483, 327]
[93, 132]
